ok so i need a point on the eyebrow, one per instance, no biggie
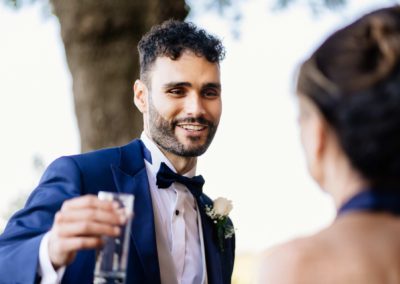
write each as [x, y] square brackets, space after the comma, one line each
[176, 84]
[187, 84]
[212, 85]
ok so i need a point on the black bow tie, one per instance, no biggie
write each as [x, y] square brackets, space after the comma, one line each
[165, 177]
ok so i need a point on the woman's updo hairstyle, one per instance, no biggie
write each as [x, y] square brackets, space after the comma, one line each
[354, 80]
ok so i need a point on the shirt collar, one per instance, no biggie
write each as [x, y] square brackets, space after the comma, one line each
[157, 157]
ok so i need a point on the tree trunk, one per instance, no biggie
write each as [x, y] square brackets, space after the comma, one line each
[100, 39]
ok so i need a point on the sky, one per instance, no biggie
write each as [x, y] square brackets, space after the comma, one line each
[256, 158]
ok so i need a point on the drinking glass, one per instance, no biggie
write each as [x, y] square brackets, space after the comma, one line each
[112, 258]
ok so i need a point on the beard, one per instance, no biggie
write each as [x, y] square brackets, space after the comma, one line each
[163, 134]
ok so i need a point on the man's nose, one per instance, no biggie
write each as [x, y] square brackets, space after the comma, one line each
[194, 105]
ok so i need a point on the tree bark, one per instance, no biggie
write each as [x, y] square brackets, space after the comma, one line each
[100, 39]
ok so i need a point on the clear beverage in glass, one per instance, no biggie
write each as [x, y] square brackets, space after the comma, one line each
[112, 258]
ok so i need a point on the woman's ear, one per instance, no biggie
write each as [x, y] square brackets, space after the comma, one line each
[140, 96]
[313, 137]
[319, 132]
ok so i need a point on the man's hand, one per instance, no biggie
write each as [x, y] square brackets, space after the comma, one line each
[80, 224]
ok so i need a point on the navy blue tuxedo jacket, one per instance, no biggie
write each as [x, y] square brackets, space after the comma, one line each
[119, 169]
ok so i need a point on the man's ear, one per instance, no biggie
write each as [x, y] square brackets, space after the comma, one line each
[141, 93]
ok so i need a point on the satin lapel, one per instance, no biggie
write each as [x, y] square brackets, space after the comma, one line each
[143, 230]
[213, 256]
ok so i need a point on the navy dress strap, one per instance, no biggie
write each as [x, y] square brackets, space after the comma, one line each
[373, 200]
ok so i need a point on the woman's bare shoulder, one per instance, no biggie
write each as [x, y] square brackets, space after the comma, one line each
[304, 260]
[347, 249]
[289, 262]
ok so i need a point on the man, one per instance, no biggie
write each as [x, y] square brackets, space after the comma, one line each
[53, 239]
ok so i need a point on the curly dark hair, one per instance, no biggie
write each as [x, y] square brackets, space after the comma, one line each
[354, 80]
[171, 38]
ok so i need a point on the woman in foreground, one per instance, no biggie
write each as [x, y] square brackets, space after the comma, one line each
[349, 101]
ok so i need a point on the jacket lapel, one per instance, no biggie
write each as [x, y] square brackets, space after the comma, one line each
[131, 177]
[213, 256]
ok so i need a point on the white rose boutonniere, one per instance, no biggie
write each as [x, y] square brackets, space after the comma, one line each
[218, 213]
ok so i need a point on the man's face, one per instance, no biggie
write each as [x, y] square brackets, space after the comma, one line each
[183, 104]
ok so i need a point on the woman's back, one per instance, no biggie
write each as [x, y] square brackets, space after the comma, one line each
[358, 248]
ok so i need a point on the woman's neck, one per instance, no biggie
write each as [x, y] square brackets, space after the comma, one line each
[342, 181]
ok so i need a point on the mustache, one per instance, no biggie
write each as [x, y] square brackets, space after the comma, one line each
[200, 120]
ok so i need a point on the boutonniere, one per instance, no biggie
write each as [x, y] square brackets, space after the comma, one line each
[218, 212]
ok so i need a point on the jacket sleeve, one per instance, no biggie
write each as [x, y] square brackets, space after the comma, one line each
[20, 241]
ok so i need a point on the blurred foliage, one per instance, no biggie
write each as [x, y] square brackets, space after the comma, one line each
[230, 10]
[223, 5]
[317, 6]
[18, 3]
[219, 5]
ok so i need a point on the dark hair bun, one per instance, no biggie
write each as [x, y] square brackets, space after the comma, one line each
[354, 79]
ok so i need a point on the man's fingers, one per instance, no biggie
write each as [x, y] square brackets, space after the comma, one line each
[88, 201]
[85, 228]
[68, 245]
[62, 251]
[114, 217]
[80, 224]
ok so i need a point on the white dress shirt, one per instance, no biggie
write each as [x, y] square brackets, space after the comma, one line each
[179, 235]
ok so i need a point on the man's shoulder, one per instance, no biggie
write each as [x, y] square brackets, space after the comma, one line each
[98, 161]
[106, 155]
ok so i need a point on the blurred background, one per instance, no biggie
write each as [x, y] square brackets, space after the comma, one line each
[66, 71]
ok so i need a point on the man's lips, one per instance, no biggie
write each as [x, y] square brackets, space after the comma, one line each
[192, 126]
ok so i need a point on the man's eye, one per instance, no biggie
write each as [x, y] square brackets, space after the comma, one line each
[211, 94]
[176, 91]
